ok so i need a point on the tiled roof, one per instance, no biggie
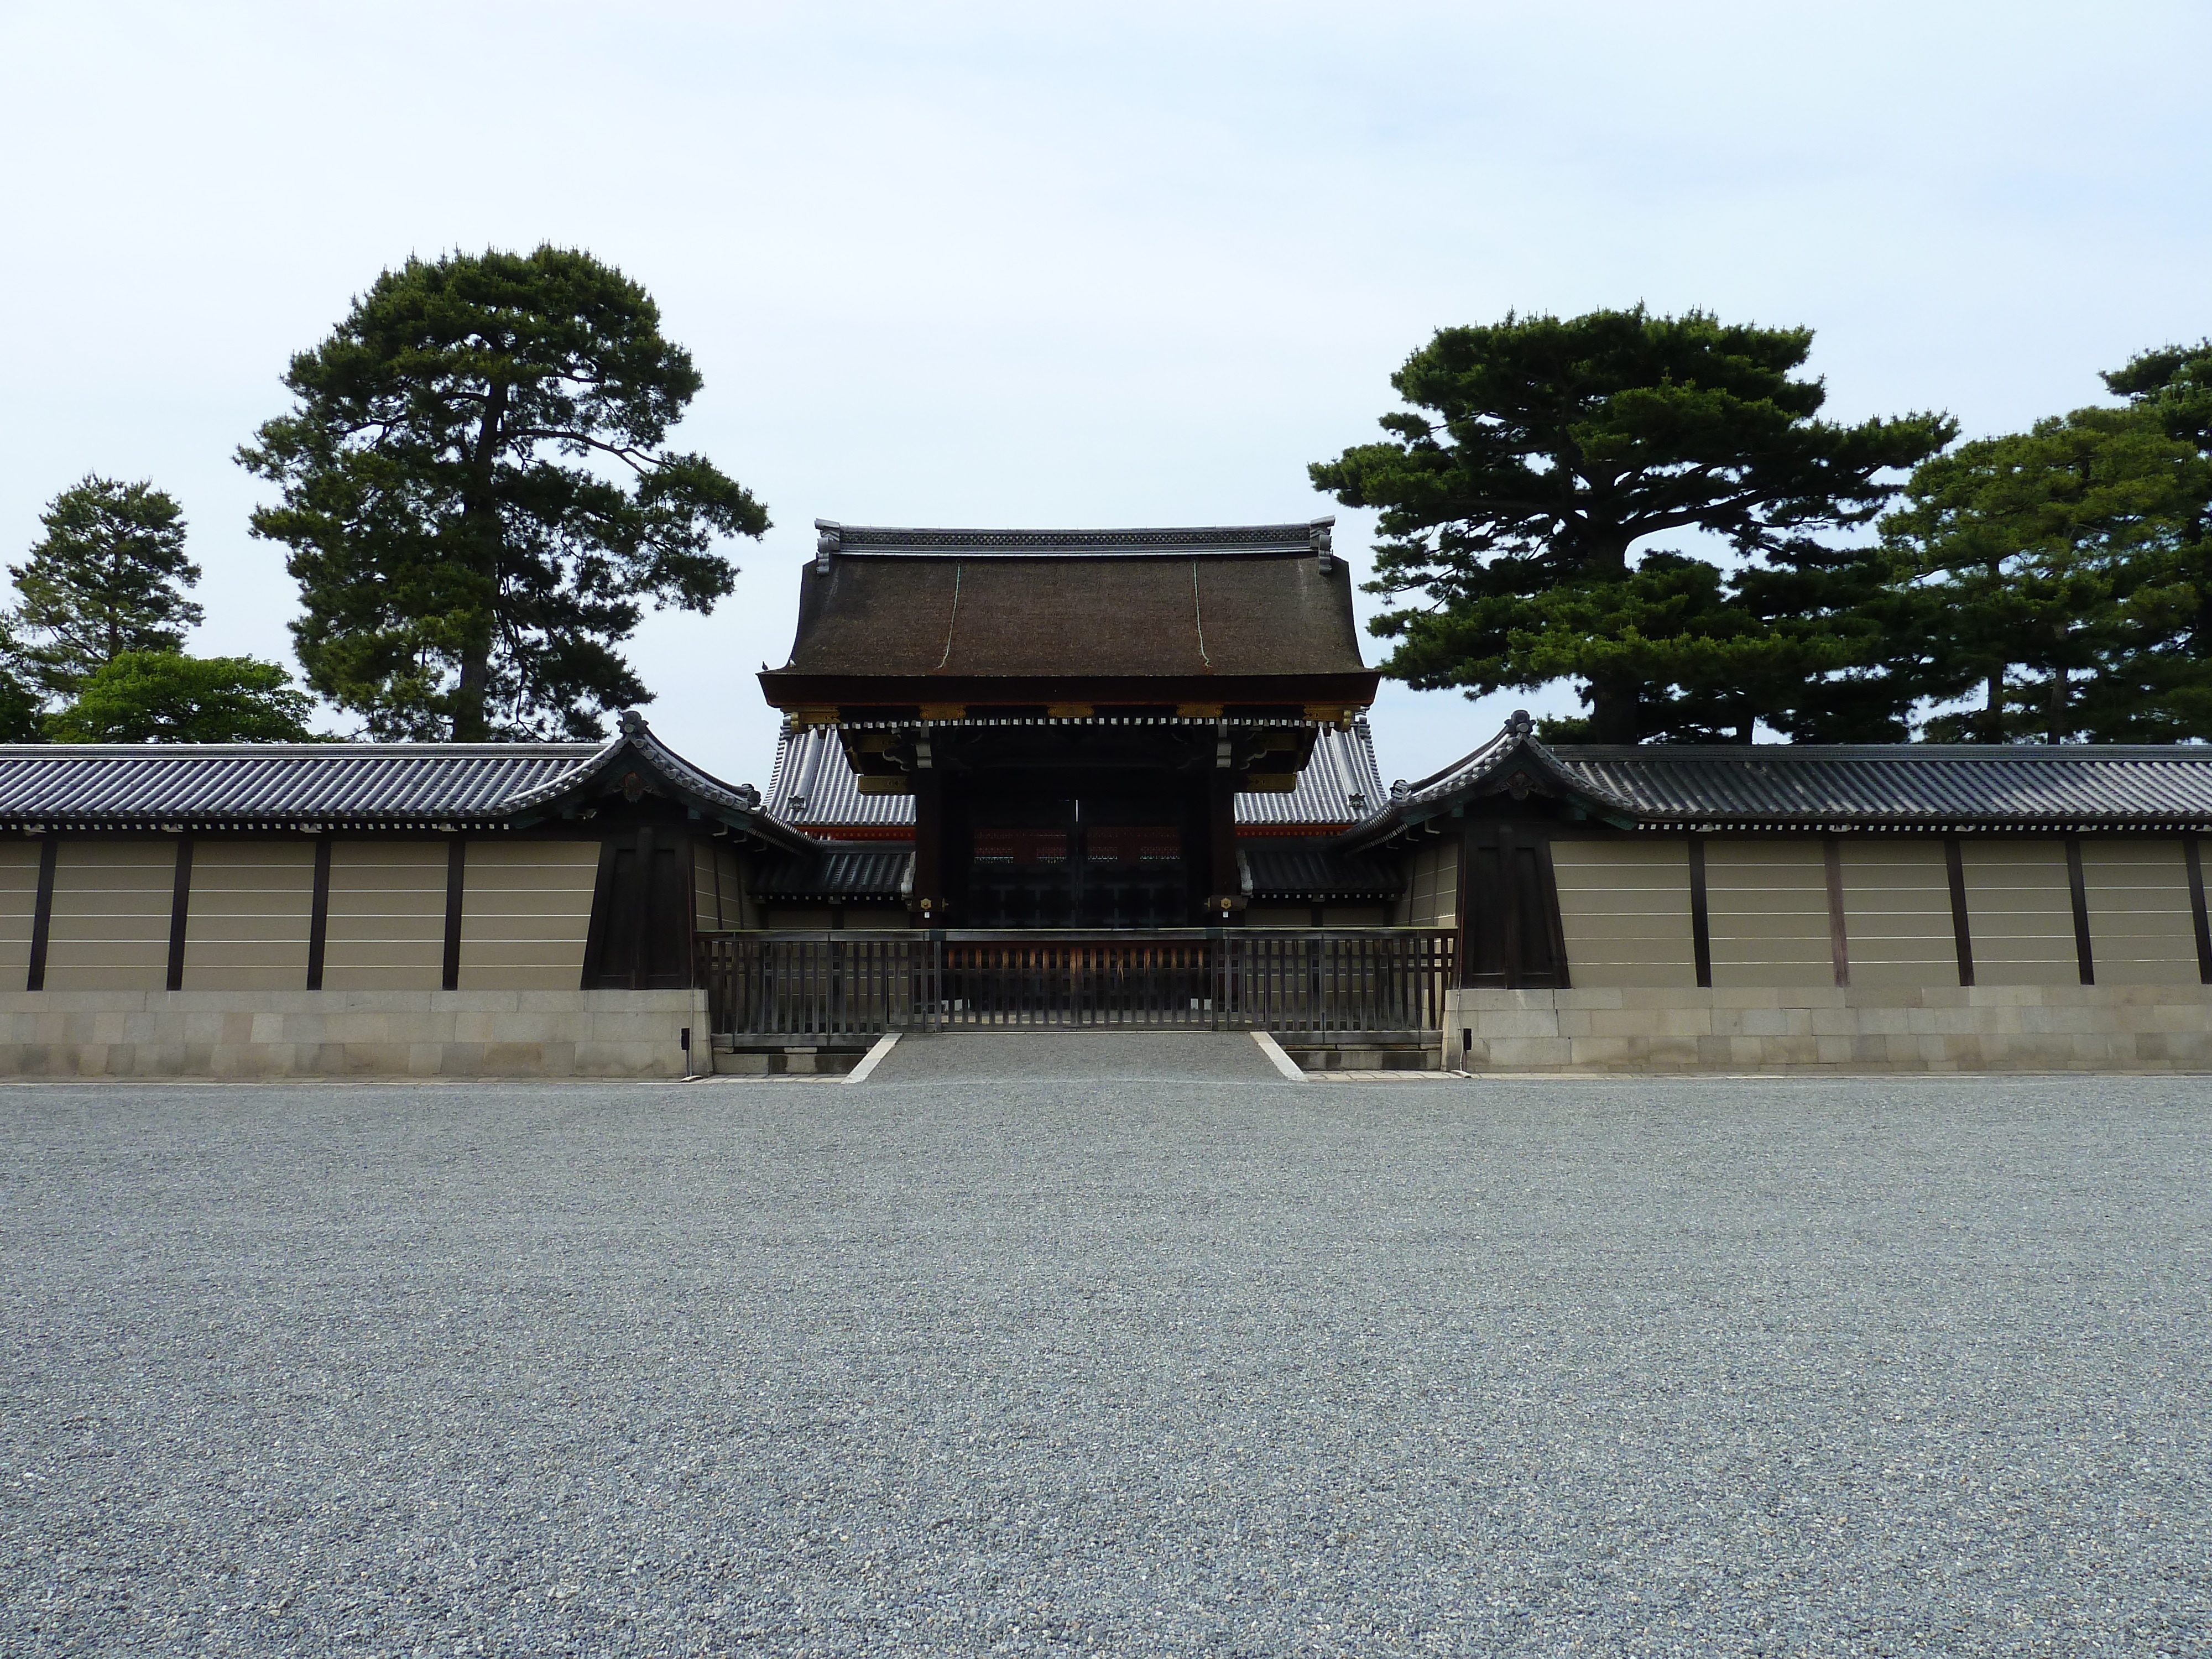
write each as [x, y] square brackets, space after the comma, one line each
[812, 787]
[1314, 873]
[837, 873]
[835, 539]
[413, 786]
[117, 784]
[1895, 786]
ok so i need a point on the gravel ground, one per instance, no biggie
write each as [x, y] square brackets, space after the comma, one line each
[1005, 1365]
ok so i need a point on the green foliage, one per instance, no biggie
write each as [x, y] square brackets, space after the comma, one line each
[19, 702]
[461, 575]
[1539, 451]
[2053, 561]
[2173, 387]
[109, 577]
[162, 696]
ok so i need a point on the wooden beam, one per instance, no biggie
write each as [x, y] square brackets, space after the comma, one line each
[457, 859]
[1840, 945]
[181, 907]
[2081, 892]
[2197, 916]
[42, 914]
[318, 914]
[1701, 932]
[1962, 933]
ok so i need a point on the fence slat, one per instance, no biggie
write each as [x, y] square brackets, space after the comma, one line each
[1322, 985]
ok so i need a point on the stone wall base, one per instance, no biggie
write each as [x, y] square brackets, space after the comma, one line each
[249, 1034]
[1988, 1028]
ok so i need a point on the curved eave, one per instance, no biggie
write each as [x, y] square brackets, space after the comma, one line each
[702, 794]
[1924, 824]
[305, 823]
[1489, 771]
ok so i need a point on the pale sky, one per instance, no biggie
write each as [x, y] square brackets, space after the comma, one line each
[1032, 265]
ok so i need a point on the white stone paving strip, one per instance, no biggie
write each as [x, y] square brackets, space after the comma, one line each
[1282, 1062]
[873, 1058]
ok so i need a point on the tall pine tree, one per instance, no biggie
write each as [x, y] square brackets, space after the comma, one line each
[1523, 490]
[2050, 559]
[479, 498]
[109, 576]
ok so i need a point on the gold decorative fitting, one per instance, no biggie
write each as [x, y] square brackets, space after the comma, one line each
[1070, 711]
[944, 711]
[1270, 783]
[813, 716]
[894, 783]
[1199, 711]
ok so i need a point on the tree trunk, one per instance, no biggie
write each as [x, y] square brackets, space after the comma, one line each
[470, 724]
[1993, 719]
[2057, 706]
[1615, 706]
[480, 521]
[1615, 700]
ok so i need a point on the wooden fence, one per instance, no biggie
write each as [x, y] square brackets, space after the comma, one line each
[1325, 985]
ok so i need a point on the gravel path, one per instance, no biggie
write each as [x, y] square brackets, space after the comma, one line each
[1758, 1367]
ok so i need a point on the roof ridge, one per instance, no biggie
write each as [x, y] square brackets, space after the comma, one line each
[1937, 751]
[1306, 536]
[284, 751]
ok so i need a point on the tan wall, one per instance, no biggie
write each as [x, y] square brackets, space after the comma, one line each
[1431, 897]
[19, 906]
[525, 914]
[1897, 913]
[1625, 907]
[1766, 913]
[110, 927]
[2020, 912]
[252, 903]
[2141, 932]
[387, 918]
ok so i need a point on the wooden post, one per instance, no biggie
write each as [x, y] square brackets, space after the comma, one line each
[2196, 916]
[1221, 837]
[1462, 947]
[1509, 907]
[928, 895]
[457, 857]
[42, 915]
[1839, 948]
[1962, 932]
[2081, 893]
[180, 905]
[1701, 932]
[318, 914]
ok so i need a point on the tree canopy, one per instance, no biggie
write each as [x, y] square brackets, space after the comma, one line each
[109, 577]
[2051, 562]
[478, 498]
[1539, 453]
[162, 696]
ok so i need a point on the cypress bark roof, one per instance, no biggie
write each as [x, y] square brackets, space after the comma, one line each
[1243, 612]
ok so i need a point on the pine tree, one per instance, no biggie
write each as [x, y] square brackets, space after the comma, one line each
[1536, 456]
[109, 576]
[2052, 560]
[478, 499]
